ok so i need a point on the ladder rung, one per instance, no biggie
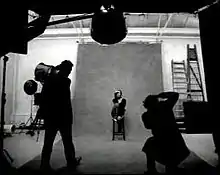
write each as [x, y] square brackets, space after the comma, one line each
[178, 110]
[179, 67]
[179, 122]
[181, 114]
[178, 63]
[118, 133]
[182, 93]
[179, 72]
[196, 94]
[196, 90]
[180, 88]
[180, 77]
[193, 60]
[182, 130]
[194, 84]
[180, 118]
[180, 82]
[182, 68]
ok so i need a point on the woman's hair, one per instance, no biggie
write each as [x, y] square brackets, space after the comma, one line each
[116, 92]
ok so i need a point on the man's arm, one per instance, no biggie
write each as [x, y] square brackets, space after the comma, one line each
[146, 121]
[171, 97]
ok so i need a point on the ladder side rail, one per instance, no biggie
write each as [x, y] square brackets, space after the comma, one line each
[199, 71]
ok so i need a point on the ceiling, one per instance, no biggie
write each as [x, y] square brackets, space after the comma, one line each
[150, 20]
[138, 6]
[13, 16]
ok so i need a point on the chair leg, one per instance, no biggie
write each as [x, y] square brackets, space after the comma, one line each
[123, 129]
[113, 131]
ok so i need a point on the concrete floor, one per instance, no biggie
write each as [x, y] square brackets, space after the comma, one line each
[103, 156]
[23, 148]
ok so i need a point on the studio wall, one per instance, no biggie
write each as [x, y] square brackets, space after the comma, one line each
[49, 51]
[134, 68]
[10, 83]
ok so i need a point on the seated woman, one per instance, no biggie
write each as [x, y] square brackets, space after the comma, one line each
[118, 109]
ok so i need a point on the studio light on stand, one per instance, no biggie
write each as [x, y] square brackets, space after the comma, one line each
[42, 71]
[108, 26]
[30, 88]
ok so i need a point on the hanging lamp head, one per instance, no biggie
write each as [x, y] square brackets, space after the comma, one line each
[108, 26]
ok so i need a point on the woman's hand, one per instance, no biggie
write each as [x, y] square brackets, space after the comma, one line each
[119, 118]
[116, 104]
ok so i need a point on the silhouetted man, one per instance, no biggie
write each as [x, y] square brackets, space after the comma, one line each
[167, 145]
[56, 110]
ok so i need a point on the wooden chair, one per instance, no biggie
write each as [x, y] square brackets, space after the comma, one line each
[115, 131]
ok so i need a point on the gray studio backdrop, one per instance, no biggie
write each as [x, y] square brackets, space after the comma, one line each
[135, 68]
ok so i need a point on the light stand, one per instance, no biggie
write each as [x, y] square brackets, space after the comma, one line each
[30, 88]
[3, 101]
[30, 119]
[31, 113]
[3, 160]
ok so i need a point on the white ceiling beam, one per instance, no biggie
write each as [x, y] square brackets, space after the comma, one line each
[139, 31]
[186, 20]
[129, 22]
[52, 19]
[167, 22]
[74, 26]
[158, 24]
[76, 29]
[171, 22]
[81, 30]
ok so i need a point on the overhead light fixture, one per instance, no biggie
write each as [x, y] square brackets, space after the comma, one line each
[108, 26]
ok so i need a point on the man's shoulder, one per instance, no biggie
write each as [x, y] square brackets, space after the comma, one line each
[145, 114]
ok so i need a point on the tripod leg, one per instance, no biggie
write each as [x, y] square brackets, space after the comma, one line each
[24, 126]
[38, 129]
[34, 124]
[8, 155]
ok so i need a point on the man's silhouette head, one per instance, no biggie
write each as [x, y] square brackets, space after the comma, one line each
[65, 68]
[150, 102]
